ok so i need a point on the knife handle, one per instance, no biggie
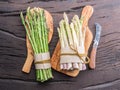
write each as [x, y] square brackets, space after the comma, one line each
[92, 63]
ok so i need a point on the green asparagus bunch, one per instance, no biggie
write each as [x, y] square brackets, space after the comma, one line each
[37, 32]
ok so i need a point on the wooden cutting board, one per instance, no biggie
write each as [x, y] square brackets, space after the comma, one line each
[55, 60]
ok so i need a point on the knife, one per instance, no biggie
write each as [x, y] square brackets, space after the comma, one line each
[92, 63]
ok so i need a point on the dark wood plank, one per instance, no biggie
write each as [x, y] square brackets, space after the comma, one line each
[71, 83]
[13, 48]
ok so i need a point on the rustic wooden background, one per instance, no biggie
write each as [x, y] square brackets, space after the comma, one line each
[106, 76]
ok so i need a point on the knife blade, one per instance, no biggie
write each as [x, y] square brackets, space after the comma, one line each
[97, 35]
[92, 63]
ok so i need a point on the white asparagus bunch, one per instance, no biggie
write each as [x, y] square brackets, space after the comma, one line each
[72, 39]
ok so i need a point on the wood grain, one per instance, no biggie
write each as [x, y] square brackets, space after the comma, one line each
[13, 48]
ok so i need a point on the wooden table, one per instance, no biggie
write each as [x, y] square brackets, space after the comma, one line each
[106, 76]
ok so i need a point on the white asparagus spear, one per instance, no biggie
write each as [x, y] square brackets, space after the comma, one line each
[63, 33]
[68, 31]
[83, 67]
[61, 39]
[64, 66]
[75, 65]
[80, 66]
[69, 66]
[61, 66]
[75, 40]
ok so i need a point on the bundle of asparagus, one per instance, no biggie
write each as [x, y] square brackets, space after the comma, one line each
[72, 39]
[37, 32]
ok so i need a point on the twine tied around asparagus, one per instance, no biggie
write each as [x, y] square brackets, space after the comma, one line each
[42, 62]
[79, 55]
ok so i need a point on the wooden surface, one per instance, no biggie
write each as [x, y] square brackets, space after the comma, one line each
[106, 76]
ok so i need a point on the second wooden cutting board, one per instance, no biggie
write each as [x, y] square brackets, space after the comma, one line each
[55, 60]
